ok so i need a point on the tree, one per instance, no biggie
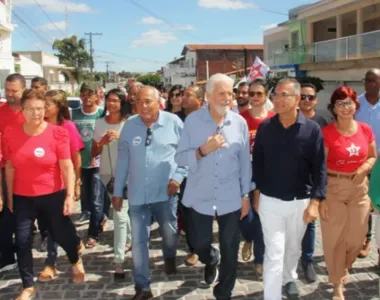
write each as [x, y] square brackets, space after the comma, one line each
[73, 53]
[149, 79]
[125, 74]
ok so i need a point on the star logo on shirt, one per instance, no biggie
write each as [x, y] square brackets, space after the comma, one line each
[353, 150]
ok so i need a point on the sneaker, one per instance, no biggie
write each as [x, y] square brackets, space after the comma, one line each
[43, 246]
[291, 291]
[83, 219]
[6, 268]
[211, 274]
[170, 266]
[310, 275]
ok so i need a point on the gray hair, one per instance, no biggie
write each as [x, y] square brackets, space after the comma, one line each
[137, 84]
[156, 93]
[294, 82]
[218, 78]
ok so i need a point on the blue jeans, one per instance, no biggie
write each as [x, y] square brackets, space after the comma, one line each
[308, 244]
[165, 213]
[99, 201]
[250, 228]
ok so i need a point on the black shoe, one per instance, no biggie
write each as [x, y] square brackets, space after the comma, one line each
[83, 219]
[211, 274]
[310, 275]
[142, 295]
[170, 266]
[43, 246]
[291, 291]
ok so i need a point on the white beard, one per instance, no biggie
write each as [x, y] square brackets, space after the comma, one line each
[221, 110]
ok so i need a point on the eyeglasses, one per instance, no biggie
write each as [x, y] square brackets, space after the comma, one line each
[253, 94]
[308, 97]
[341, 104]
[88, 94]
[148, 139]
[282, 95]
[34, 110]
[177, 95]
[370, 80]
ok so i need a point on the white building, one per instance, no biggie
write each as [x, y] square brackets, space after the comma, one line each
[181, 70]
[44, 64]
[6, 29]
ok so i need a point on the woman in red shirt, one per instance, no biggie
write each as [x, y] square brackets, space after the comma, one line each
[57, 113]
[351, 154]
[40, 181]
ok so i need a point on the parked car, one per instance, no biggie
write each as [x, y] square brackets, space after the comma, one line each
[74, 102]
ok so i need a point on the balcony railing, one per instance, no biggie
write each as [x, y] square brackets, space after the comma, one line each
[365, 45]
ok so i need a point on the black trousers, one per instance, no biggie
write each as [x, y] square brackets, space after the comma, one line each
[59, 227]
[229, 238]
[7, 229]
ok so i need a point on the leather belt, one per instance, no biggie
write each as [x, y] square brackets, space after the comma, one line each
[345, 176]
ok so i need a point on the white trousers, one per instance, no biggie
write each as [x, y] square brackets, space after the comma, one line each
[283, 229]
[377, 230]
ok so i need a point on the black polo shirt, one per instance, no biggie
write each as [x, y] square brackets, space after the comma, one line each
[289, 163]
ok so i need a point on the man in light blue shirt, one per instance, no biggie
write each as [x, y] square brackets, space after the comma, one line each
[146, 150]
[369, 112]
[215, 147]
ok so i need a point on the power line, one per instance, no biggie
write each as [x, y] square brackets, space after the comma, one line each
[31, 28]
[47, 16]
[91, 34]
[108, 62]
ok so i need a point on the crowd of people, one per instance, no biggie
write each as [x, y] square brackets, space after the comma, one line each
[264, 166]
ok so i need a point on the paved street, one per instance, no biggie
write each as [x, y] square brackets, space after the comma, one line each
[185, 285]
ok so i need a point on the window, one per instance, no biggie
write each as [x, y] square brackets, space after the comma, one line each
[294, 37]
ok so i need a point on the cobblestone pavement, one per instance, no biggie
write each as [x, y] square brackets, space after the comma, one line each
[185, 285]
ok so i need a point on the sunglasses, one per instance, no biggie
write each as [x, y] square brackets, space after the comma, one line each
[148, 139]
[308, 97]
[253, 94]
[177, 95]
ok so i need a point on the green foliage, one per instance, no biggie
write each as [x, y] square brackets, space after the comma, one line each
[150, 79]
[73, 53]
[17, 68]
[125, 74]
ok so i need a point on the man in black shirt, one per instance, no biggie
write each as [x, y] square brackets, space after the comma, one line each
[289, 170]
[307, 105]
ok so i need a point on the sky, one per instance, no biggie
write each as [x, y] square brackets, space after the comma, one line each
[144, 35]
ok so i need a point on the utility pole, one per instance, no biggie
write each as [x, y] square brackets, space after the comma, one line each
[91, 34]
[245, 62]
[107, 68]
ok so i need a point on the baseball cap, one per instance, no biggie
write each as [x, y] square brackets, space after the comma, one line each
[91, 85]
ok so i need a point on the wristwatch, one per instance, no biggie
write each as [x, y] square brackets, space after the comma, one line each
[201, 154]
[245, 196]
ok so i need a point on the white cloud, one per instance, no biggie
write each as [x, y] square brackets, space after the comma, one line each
[153, 37]
[226, 4]
[268, 26]
[183, 27]
[58, 6]
[61, 25]
[151, 20]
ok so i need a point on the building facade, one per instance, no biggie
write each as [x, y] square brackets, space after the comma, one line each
[212, 59]
[335, 40]
[180, 71]
[6, 29]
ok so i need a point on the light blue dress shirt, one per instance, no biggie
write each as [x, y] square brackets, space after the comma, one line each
[215, 183]
[148, 168]
[371, 115]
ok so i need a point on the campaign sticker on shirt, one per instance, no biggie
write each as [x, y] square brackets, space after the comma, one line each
[136, 140]
[39, 152]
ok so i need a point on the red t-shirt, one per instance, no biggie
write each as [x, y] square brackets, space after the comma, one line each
[36, 159]
[9, 117]
[253, 124]
[347, 153]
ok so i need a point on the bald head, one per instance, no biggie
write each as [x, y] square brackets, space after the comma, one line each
[372, 83]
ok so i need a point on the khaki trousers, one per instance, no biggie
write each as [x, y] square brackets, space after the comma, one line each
[344, 231]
